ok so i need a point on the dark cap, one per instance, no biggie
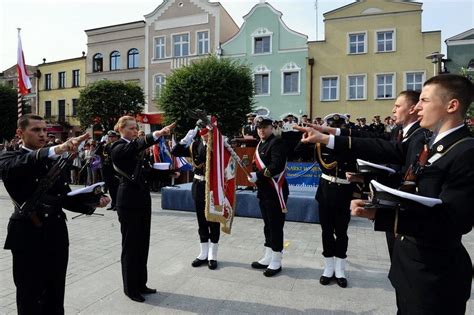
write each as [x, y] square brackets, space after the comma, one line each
[51, 135]
[304, 116]
[263, 121]
[112, 133]
[335, 118]
[251, 115]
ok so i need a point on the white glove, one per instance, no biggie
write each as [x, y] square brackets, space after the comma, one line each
[189, 137]
[253, 177]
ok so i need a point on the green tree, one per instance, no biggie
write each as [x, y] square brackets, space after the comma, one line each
[106, 101]
[8, 112]
[220, 87]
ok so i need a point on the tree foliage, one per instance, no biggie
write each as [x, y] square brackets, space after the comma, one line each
[106, 101]
[221, 87]
[8, 112]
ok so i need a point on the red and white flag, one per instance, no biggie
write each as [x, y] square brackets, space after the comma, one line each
[220, 180]
[24, 84]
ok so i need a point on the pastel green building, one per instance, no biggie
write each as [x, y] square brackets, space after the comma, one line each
[460, 50]
[277, 56]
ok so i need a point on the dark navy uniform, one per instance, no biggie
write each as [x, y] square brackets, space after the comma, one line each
[197, 151]
[40, 253]
[134, 211]
[250, 130]
[110, 178]
[273, 153]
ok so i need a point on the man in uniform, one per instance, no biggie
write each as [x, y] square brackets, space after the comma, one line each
[269, 175]
[37, 235]
[110, 179]
[431, 270]
[249, 129]
[209, 232]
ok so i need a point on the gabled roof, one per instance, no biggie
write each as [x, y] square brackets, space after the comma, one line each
[357, 2]
[461, 36]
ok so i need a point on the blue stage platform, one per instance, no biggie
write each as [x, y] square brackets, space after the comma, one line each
[302, 206]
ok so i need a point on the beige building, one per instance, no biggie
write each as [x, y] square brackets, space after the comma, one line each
[9, 77]
[116, 53]
[58, 94]
[373, 49]
[178, 32]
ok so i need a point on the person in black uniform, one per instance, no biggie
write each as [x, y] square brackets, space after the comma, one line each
[249, 129]
[334, 196]
[209, 232]
[110, 179]
[431, 270]
[38, 239]
[134, 204]
[269, 173]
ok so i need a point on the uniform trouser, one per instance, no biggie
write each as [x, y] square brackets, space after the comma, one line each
[112, 183]
[390, 237]
[274, 220]
[430, 280]
[207, 230]
[40, 277]
[334, 215]
[135, 228]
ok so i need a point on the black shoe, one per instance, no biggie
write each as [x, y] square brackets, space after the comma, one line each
[271, 272]
[198, 262]
[257, 265]
[147, 290]
[137, 297]
[325, 280]
[212, 264]
[342, 282]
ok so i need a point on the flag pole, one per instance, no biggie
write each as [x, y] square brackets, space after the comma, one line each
[19, 95]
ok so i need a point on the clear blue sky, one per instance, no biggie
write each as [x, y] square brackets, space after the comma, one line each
[54, 29]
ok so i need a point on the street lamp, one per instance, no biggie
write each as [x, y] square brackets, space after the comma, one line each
[436, 60]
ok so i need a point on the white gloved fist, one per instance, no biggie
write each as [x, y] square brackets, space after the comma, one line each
[189, 137]
[253, 177]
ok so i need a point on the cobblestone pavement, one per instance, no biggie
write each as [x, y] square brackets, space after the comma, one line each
[94, 283]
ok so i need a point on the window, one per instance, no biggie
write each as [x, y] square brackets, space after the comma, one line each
[97, 63]
[330, 89]
[114, 61]
[181, 45]
[356, 87]
[159, 48]
[47, 109]
[61, 110]
[291, 82]
[47, 81]
[385, 41]
[75, 101]
[133, 59]
[203, 42]
[75, 78]
[357, 43]
[414, 80]
[160, 81]
[385, 86]
[262, 84]
[262, 45]
[61, 80]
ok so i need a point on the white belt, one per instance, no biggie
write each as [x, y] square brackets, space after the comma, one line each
[334, 179]
[200, 177]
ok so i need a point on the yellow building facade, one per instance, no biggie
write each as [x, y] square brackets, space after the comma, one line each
[58, 95]
[373, 50]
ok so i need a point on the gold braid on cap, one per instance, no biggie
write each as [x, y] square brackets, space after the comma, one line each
[324, 164]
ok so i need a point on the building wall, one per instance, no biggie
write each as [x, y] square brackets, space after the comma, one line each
[55, 94]
[288, 50]
[460, 52]
[175, 18]
[331, 57]
[121, 38]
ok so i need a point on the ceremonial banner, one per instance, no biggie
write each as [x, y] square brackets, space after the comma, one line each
[24, 84]
[304, 175]
[220, 180]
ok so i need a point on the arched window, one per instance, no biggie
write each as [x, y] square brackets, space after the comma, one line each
[97, 63]
[133, 58]
[114, 61]
[160, 81]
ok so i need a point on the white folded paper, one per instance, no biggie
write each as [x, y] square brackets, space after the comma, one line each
[426, 201]
[85, 190]
[162, 166]
[377, 166]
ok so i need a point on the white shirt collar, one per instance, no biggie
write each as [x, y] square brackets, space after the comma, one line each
[25, 148]
[128, 141]
[407, 127]
[447, 132]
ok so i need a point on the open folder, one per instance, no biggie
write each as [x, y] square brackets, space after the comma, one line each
[400, 195]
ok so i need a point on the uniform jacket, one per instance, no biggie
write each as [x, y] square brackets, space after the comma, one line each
[197, 151]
